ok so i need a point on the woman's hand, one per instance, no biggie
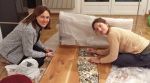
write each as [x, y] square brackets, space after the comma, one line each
[48, 50]
[94, 60]
[91, 50]
[49, 54]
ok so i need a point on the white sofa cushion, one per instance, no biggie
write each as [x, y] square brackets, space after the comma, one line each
[120, 22]
[76, 29]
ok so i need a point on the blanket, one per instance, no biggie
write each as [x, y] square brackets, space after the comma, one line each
[128, 75]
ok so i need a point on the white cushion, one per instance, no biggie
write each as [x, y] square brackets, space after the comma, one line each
[120, 22]
[76, 29]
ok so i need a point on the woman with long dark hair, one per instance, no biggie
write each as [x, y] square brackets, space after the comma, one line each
[24, 41]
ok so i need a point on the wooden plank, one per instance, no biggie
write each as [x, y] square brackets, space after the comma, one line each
[3, 72]
[74, 77]
[62, 68]
[104, 70]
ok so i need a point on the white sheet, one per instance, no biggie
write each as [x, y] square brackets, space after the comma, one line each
[128, 75]
[75, 29]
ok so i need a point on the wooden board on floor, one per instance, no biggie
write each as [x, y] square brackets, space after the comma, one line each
[104, 70]
[63, 67]
[3, 72]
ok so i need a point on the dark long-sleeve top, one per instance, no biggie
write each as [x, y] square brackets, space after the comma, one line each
[20, 43]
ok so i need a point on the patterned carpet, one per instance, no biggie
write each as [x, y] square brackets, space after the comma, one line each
[88, 72]
[120, 75]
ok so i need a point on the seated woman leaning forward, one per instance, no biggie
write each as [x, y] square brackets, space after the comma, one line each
[126, 48]
[24, 41]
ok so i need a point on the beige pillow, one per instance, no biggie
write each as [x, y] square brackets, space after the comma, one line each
[75, 29]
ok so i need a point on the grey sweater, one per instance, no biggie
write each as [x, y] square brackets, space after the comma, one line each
[19, 43]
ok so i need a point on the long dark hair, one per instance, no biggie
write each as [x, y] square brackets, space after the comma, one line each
[32, 18]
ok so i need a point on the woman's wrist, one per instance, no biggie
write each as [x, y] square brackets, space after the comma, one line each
[46, 54]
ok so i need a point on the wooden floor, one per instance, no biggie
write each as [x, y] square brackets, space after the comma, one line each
[141, 28]
[64, 67]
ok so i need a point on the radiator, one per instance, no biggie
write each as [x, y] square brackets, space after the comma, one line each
[60, 4]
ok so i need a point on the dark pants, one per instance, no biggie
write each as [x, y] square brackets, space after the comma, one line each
[133, 60]
[39, 60]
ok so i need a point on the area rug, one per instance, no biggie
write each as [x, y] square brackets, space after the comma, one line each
[88, 72]
[128, 75]
[117, 75]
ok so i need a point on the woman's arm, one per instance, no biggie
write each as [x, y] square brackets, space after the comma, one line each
[28, 38]
[113, 47]
[45, 49]
[98, 51]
